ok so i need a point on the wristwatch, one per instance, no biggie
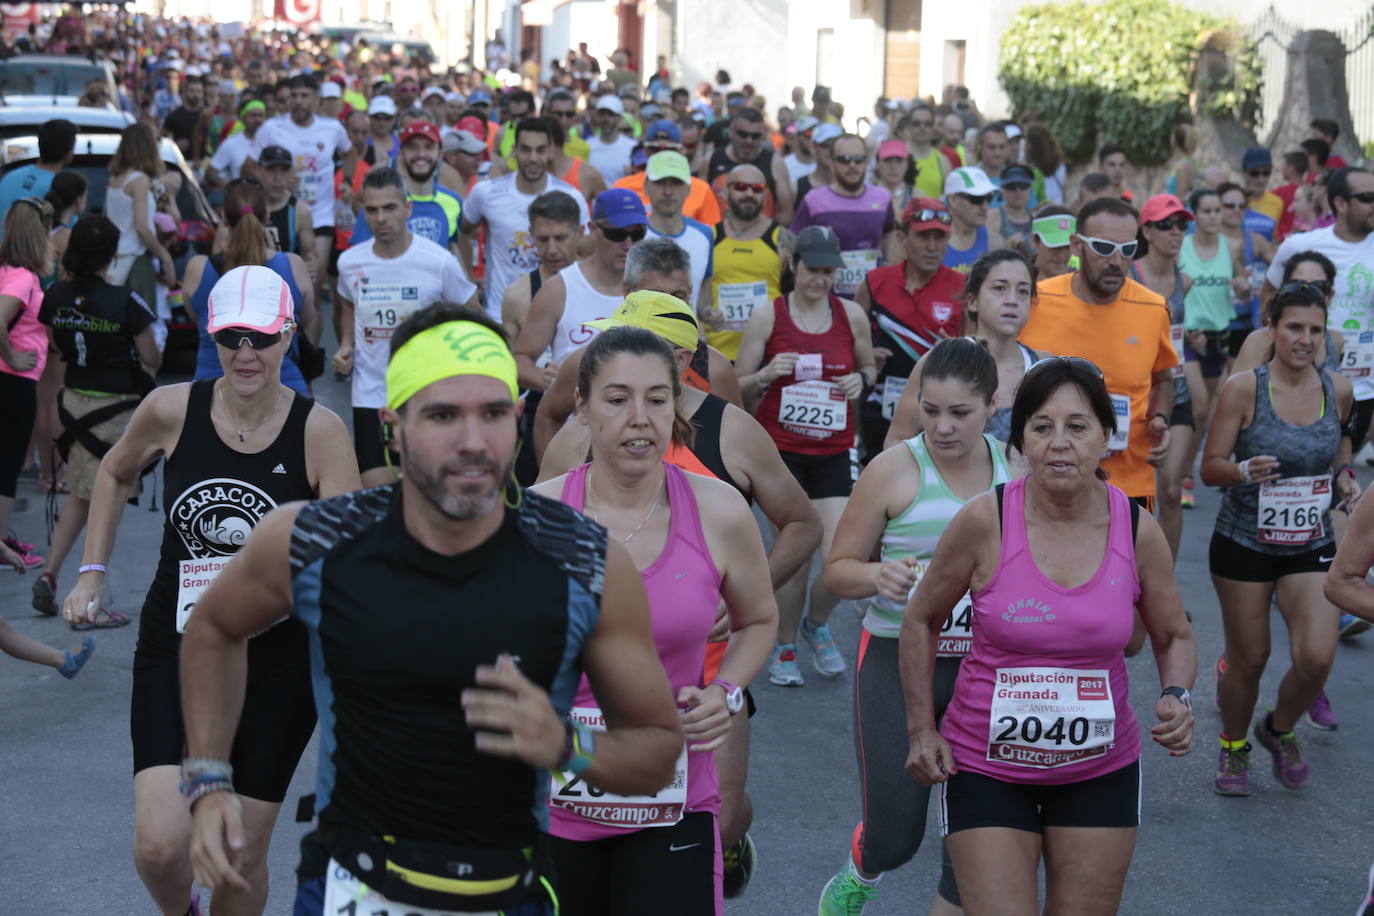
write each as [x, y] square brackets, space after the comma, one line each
[1181, 693]
[734, 696]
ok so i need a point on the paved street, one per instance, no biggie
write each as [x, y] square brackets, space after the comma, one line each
[65, 766]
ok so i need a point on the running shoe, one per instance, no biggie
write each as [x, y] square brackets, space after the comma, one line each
[1233, 771]
[1352, 626]
[1186, 499]
[1321, 715]
[1220, 669]
[824, 656]
[1289, 767]
[45, 594]
[782, 669]
[739, 866]
[19, 545]
[845, 894]
[25, 552]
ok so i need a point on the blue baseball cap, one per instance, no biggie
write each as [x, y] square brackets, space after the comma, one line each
[620, 208]
[663, 129]
[479, 97]
[1256, 157]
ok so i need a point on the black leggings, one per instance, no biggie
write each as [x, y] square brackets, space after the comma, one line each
[894, 804]
[18, 410]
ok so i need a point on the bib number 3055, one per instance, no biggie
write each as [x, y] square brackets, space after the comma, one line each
[1050, 717]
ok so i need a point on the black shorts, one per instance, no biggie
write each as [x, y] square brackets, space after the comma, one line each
[1359, 423]
[667, 871]
[821, 476]
[969, 800]
[334, 260]
[1212, 358]
[326, 232]
[275, 726]
[1182, 415]
[1232, 560]
[367, 440]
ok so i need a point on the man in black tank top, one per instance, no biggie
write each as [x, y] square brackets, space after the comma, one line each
[394, 586]
[289, 223]
[749, 142]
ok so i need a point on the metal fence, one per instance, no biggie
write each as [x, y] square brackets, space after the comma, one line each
[1273, 35]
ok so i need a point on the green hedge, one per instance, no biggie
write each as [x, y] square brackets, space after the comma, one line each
[1121, 70]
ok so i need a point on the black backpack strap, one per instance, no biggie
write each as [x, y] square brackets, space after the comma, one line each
[1135, 519]
[1001, 489]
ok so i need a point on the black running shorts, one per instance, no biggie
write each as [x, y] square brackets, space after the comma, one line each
[968, 800]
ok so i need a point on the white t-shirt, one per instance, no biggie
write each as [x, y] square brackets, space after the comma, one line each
[1352, 306]
[384, 291]
[796, 169]
[505, 207]
[231, 154]
[581, 302]
[699, 242]
[612, 159]
[313, 147]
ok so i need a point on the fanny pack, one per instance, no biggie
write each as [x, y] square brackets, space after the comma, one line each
[439, 875]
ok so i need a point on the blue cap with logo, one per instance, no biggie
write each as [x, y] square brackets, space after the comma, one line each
[620, 208]
[663, 129]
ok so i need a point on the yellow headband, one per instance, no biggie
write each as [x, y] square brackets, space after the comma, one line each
[446, 350]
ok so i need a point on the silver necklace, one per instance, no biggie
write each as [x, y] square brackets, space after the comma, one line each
[230, 414]
[640, 527]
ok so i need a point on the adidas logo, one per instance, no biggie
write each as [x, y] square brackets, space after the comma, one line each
[279, 469]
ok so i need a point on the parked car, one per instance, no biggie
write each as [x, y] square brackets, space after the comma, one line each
[22, 121]
[52, 79]
[196, 230]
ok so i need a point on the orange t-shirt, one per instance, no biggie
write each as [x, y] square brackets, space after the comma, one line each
[701, 204]
[1128, 340]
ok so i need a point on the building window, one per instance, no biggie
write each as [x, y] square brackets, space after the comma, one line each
[954, 63]
[825, 47]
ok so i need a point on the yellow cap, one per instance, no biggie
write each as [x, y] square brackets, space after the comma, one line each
[667, 316]
[446, 350]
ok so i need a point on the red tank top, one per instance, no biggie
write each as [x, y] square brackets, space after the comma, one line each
[807, 413]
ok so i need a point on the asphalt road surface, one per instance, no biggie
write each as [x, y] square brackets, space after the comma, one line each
[65, 773]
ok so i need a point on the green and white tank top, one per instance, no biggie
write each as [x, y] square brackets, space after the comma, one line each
[914, 533]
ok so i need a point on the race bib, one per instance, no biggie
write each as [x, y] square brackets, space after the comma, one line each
[893, 386]
[857, 264]
[1358, 359]
[1121, 406]
[816, 409]
[956, 633]
[193, 578]
[662, 809]
[1290, 510]
[1176, 338]
[737, 301]
[1050, 717]
[382, 306]
[345, 895]
[309, 190]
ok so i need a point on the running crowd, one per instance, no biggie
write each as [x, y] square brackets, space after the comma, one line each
[590, 324]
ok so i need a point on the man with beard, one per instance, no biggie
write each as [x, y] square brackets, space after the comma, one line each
[434, 209]
[502, 205]
[180, 124]
[750, 250]
[859, 213]
[912, 305]
[746, 144]
[312, 142]
[439, 717]
[381, 281]
[1096, 313]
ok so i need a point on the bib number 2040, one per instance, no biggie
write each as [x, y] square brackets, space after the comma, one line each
[1032, 729]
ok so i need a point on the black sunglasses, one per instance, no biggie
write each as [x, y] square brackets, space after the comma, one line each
[252, 182]
[746, 135]
[233, 338]
[1259, 173]
[1071, 361]
[1167, 225]
[633, 233]
[1364, 197]
[850, 159]
[977, 200]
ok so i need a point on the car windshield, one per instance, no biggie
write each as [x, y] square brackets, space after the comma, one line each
[34, 78]
[96, 171]
[29, 129]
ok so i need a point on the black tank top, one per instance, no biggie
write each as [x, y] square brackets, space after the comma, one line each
[214, 497]
[281, 225]
[721, 163]
[706, 443]
[536, 281]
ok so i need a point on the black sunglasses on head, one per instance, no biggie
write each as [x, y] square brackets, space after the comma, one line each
[1071, 361]
[1320, 287]
[233, 338]
[633, 233]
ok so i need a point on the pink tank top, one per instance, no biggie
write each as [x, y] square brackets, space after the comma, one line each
[1043, 696]
[683, 585]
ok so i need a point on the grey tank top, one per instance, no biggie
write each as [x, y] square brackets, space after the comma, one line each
[999, 424]
[1303, 451]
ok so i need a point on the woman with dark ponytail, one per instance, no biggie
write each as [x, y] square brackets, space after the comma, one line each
[68, 199]
[250, 244]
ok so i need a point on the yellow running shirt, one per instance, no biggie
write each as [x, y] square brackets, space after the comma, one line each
[746, 278]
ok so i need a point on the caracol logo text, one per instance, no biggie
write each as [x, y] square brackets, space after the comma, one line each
[215, 517]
